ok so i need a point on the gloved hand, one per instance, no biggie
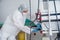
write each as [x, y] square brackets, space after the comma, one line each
[38, 28]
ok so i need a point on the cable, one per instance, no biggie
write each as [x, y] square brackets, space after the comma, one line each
[38, 4]
[30, 8]
[46, 26]
[30, 17]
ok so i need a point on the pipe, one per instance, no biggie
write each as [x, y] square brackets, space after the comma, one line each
[30, 17]
[50, 29]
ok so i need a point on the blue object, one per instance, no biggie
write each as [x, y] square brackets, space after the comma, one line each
[38, 28]
[35, 30]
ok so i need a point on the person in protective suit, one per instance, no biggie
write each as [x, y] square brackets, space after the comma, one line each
[15, 23]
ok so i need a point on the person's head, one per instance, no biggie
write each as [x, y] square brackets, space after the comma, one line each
[23, 9]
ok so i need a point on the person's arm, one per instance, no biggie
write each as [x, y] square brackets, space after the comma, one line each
[19, 22]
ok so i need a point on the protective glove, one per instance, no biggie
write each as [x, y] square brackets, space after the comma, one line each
[38, 28]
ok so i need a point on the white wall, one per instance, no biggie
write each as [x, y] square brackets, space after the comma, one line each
[7, 7]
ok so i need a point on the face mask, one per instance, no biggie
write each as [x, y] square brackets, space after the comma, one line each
[25, 14]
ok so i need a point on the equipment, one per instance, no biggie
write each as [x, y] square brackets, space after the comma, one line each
[30, 23]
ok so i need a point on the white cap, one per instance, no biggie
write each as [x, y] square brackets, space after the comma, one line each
[22, 7]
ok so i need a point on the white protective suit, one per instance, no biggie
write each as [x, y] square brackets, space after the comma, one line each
[14, 24]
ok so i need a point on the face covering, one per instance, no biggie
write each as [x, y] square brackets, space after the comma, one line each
[24, 15]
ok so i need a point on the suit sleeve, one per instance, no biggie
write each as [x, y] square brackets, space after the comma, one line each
[19, 22]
